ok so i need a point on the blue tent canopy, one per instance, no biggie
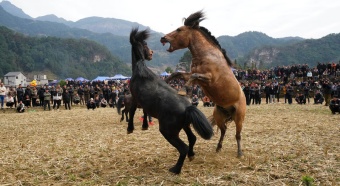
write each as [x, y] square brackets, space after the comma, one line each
[100, 78]
[54, 82]
[118, 77]
[165, 74]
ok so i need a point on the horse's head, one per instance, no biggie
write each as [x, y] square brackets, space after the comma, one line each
[140, 49]
[180, 38]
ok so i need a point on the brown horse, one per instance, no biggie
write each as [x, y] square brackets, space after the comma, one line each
[211, 69]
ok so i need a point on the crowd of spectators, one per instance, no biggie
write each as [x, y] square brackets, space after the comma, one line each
[50, 97]
[298, 83]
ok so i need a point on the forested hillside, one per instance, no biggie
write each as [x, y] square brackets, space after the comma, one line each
[240, 45]
[117, 44]
[56, 56]
[310, 51]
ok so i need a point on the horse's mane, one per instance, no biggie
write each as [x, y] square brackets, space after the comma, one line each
[193, 21]
[137, 40]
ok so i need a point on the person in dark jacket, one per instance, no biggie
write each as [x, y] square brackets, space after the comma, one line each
[246, 91]
[20, 93]
[67, 99]
[41, 92]
[91, 104]
[334, 105]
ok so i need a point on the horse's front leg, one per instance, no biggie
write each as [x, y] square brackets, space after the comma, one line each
[178, 75]
[205, 78]
[131, 115]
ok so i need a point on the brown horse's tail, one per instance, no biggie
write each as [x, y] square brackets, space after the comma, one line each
[120, 104]
[199, 121]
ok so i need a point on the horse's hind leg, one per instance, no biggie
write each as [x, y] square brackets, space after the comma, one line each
[126, 115]
[182, 148]
[220, 119]
[192, 141]
[122, 118]
[131, 115]
[145, 125]
[239, 118]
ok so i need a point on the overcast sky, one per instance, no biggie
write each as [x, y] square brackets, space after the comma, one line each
[276, 18]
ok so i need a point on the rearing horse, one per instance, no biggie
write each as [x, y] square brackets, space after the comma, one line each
[211, 69]
[161, 101]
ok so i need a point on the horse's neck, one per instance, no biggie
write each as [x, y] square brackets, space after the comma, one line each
[201, 48]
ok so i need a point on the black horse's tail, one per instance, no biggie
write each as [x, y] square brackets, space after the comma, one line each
[120, 104]
[199, 121]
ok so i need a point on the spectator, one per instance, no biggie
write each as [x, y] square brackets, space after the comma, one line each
[87, 93]
[47, 99]
[306, 90]
[97, 101]
[267, 92]
[12, 92]
[206, 101]
[272, 92]
[91, 104]
[258, 95]
[71, 93]
[57, 96]
[10, 101]
[246, 91]
[21, 107]
[34, 97]
[20, 93]
[194, 100]
[67, 100]
[300, 98]
[2, 94]
[103, 102]
[76, 99]
[27, 101]
[28, 96]
[318, 98]
[327, 90]
[41, 92]
[334, 105]
[290, 93]
[81, 95]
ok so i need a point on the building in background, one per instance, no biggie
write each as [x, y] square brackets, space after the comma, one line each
[14, 79]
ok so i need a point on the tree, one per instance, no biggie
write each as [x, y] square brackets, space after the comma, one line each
[169, 70]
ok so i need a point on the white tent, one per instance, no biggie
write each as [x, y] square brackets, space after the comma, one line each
[165, 74]
[119, 77]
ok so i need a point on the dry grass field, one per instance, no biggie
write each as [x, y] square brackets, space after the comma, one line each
[282, 145]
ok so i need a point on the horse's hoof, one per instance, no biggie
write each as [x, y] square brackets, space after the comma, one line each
[191, 158]
[175, 170]
[218, 149]
[239, 154]
[129, 131]
[143, 128]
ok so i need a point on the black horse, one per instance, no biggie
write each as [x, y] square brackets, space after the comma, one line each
[126, 101]
[161, 101]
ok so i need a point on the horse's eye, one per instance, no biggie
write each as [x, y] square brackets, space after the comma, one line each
[178, 30]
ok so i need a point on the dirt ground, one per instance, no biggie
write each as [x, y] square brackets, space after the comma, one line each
[282, 144]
